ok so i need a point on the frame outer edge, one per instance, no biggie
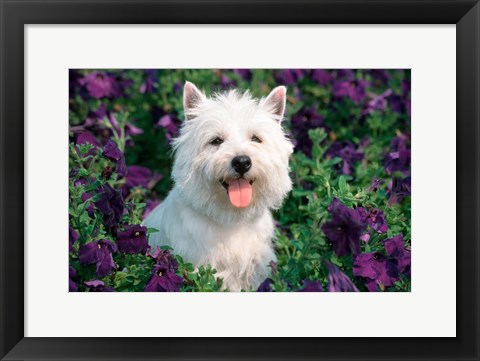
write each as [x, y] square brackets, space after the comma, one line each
[12, 47]
[11, 178]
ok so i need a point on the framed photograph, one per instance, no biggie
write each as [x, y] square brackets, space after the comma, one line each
[239, 181]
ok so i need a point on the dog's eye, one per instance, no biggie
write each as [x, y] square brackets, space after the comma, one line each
[216, 141]
[256, 139]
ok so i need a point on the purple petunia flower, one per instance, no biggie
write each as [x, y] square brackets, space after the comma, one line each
[395, 248]
[87, 137]
[401, 103]
[301, 122]
[380, 75]
[365, 237]
[378, 102]
[378, 270]
[246, 74]
[129, 128]
[321, 77]
[266, 286]
[400, 157]
[113, 153]
[138, 176]
[290, 76]
[168, 122]
[345, 74]
[311, 286]
[355, 90]
[98, 85]
[347, 152]
[99, 253]
[98, 286]
[104, 85]
[338, 281]
[110, 204]
[149, 84]
[133, 239]
[72, 275]
[164, 277]
[72, 238]
[345, 229]
[398, 189]
[374, 218]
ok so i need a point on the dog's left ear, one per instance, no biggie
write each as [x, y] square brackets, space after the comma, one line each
[276, 101]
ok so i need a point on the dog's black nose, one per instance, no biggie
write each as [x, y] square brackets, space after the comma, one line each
[241, 164]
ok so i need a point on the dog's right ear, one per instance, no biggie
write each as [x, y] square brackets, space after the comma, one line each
[192, 97]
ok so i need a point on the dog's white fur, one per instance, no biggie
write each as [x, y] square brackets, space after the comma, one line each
[197, 218]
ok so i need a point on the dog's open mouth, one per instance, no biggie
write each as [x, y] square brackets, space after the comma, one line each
[239, 191]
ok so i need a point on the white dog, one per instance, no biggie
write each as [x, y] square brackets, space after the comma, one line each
[230, 170]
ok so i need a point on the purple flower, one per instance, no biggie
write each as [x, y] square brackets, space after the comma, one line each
[365, 237]
[98, 286]
[374, 218]
[378, 102]
[149, 84]
[338, 281]
[401, 103]
[311, 286]
[400, 157]
[301, 122]
[110, 205]
[87, 137]
[266, 286]
[72, 238]
[100, 253]
[378, 270]
[345, 150]
[129, 128]
[345, 74]
[99, 84]
[133, 239]
[355, 90]
[72, 275]
[138, 176]
[345, 229]
[321, 77]
[164, 278]
[246, 74]
[380, 75]
[290, 76]
[398, 189]
[170, 124]
[395, 248]
[113, 153]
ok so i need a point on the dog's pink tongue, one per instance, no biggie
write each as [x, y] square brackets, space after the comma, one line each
[240, 193]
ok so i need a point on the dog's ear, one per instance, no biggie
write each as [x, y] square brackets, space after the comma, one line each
[276, 101]
[192, 97]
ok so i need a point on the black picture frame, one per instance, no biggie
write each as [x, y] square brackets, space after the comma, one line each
[15, 14]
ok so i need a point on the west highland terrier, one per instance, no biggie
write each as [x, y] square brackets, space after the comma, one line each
[230, 171]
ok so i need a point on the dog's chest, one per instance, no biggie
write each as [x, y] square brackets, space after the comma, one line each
[240, 253]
